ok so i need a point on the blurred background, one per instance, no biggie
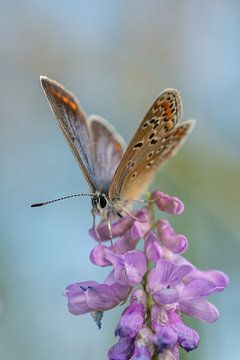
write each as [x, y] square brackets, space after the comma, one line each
[116, 56]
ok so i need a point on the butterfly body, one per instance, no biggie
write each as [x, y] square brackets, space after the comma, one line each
[117, 176]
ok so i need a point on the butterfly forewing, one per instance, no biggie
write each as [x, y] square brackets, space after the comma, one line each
[107, 151]
[72, 121]
[155, 141]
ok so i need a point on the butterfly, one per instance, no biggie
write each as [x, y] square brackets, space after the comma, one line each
[116, 176]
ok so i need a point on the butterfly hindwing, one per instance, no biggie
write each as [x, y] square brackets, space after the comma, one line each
[107, 151]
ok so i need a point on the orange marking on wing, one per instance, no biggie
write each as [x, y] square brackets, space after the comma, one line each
[169, 124]
[167, 110]
[65, 99]
[56, 93]
[73, 105]
[117, 147]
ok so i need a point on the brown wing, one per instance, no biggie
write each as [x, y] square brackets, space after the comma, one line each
[155, 141]
[72, 121]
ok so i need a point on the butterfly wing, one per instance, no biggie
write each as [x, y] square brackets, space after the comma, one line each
[72, 121]
[107, 151]
[157, 139]
[94, 142]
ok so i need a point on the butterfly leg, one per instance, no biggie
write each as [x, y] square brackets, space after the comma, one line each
[109, 224]
[95, 227]
[132, 216]
[142, 201]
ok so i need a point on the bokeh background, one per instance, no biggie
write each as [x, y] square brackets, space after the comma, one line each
[116, 56]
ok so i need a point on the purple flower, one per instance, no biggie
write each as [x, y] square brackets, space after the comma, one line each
[177, 243]
[129, 268]
[120, 227]
[139, 296]
[122, 350]
[99, 253]
[143, 349]
[164, 338]
[170, 204]
[170, 329]
[219, 279]
[152, 248]
[140, 228]
[167, 285]
[162, 281]
[192, 300]
[125, 243]
[188, 338]
[91, 296]
[132, 320]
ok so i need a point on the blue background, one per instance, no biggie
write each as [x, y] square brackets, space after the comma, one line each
[116, 56]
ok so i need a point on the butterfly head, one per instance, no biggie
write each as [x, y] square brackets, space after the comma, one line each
[100, 202]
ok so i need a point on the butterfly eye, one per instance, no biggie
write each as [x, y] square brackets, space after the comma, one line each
[102, 201]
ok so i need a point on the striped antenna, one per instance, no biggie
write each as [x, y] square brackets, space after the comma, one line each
[59, 199]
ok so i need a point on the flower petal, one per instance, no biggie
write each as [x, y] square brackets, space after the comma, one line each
[188, 338]
[121, 291]
[141, 351]
[200, 309]
[98, 255]
[219, 278]
[170, 204]
[152, 247]
[165, 338]
[77, 298]
[129, 268]
[125, 243]
[177, 243]
[139, 296]
[140, 228]
[170, 354]
[118, 228]
[122, 350]
[101, 298]
[158, 316]
[135, 266]
[171, 274]
[131, 321]
[197, 288]
[166, 296]
[89, 296]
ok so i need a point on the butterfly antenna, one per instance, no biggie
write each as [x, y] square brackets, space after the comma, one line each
[59, 199]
